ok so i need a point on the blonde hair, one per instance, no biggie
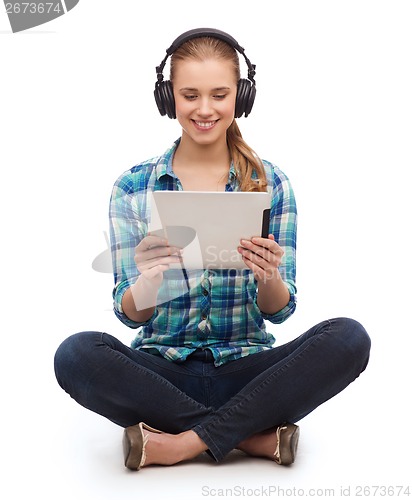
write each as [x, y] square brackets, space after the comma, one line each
[249, 168]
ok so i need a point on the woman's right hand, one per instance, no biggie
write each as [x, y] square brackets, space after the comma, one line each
[153, 256]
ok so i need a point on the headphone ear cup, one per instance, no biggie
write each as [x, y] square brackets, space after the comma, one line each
[158, 98]
[169, 99]
[165, 99]
[245, 97]
[250, 100]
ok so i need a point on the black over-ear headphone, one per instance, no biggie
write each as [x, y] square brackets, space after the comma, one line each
[246, 89]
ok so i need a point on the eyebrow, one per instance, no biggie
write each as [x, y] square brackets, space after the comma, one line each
[192, 89]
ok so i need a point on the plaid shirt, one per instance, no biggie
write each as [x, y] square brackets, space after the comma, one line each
[219, 310]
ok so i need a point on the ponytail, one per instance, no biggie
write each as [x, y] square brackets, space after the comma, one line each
[248, 166]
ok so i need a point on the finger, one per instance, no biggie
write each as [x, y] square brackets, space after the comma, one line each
[256, 259]
[263, 252]
[155, 241]
[269, 242]
[143, 265]
[163, 251]
[152, 240]
[266, 262]
[154, 271]
[257, 271]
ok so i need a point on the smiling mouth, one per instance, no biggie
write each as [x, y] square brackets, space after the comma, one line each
[205, 125]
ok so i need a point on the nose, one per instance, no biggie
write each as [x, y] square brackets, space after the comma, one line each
[205, 107]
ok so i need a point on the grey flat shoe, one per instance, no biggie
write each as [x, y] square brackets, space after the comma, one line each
[134, 445]
[288, 437]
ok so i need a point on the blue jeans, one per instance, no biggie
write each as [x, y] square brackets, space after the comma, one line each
[224, 405]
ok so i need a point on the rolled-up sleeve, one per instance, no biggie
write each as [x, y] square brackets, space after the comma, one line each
[127, 228]
[283, 225]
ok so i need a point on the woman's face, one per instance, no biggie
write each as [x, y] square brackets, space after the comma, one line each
[205, 96]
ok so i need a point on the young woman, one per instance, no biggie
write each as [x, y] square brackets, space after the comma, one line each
[203, 373]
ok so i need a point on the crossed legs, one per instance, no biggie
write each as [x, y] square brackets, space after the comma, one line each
[275, 386]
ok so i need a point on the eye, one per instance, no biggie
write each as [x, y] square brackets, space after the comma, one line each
[190, 97]
[219, 96]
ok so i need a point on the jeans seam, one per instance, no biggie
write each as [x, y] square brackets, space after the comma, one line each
[209, 441]
[264, 383]
[281, 369]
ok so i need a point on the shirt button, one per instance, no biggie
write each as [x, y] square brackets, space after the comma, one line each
[205, 292]
[204, 316]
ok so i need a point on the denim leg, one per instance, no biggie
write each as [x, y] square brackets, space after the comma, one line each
[126, 386]
[311, 369]
[248, 395]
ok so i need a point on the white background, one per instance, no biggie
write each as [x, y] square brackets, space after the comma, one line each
[333, 110]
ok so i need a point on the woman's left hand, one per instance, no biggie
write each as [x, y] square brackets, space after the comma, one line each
[262, 256]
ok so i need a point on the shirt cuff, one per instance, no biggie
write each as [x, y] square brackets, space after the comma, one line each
[118, 293]
[287, 311]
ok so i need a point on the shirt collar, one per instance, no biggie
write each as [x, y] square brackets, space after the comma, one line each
[232, 172]
[164, 164]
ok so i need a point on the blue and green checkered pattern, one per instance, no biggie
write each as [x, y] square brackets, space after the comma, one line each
[213, 309]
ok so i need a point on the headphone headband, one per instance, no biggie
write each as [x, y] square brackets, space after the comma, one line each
[200, 32]
[205, 32]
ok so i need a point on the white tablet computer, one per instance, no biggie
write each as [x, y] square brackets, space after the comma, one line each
[209, 225]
